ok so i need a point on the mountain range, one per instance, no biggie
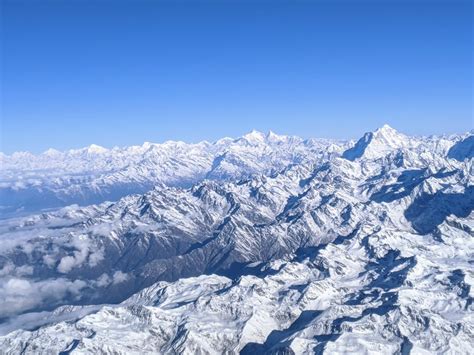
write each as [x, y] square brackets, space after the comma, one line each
[261, 244]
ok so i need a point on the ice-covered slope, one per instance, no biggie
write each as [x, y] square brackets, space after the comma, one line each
[95, 174]
[336, 254]
[376, 144]
[377, 290]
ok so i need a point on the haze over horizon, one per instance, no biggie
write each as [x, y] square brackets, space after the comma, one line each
[265, 134]
[79, 73]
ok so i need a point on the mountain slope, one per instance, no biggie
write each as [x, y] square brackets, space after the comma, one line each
[377, 290]
[94, 174]
[328, 254]
[464, 149]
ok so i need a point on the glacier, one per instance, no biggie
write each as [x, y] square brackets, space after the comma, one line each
[260, 244]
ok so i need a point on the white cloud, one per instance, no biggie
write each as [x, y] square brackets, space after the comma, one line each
[119, 277]
[24, 270]
[18, 295]
[10, 270]
[7, 269]
[96, 257]
[35, 319]
[84, 252]
[103, 280]
[67, 263]
[49, 260]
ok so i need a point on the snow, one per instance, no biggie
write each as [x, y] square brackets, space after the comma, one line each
[276, 244]
[379, 143]
[95, 174]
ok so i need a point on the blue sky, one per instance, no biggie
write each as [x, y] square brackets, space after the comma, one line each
[124, 72]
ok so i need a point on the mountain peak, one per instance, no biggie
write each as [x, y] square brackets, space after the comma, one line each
[254, 136]
[388, 133]
[386, 129]
[51, 152]
[377, 143]
[147, 145]
[96, 149]
[273, 137]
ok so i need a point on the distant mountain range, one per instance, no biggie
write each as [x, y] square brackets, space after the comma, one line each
[30, 183]
[261, 244]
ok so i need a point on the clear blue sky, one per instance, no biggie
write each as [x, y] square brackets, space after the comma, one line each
[124, 72]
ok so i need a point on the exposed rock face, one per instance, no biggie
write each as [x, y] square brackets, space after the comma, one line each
[341, 249]
[91, 175]
[463, 149]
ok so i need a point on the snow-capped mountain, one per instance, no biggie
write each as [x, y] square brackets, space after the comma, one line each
[377, 144]
[30, 183]
[263, 244]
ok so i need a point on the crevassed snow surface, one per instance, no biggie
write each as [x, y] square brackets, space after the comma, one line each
[263, 244]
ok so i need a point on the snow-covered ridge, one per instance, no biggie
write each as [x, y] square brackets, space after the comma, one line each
[95, 174]
[312, 251]
[251, 137]
[31, 183]
[376, 144]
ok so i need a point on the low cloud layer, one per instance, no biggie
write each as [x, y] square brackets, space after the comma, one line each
[19, 295]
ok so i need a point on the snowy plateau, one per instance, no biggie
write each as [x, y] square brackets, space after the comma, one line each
[265, 244]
